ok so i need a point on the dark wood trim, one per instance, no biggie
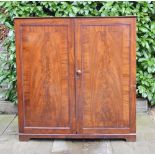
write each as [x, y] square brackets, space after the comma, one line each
[74, 17]
[128, 137]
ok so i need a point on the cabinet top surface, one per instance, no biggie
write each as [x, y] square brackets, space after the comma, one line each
[74, 17]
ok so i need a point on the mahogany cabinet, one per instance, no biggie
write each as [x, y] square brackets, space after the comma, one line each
[76, 77]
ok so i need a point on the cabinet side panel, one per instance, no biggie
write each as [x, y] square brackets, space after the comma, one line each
[133, 78]
[19, 77]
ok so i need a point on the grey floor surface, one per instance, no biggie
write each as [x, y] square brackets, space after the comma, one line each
[9, 142]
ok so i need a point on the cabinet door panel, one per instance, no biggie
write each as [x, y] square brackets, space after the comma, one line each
[46, 75]
[103, 51]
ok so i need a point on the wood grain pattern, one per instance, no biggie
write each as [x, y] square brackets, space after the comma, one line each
[76, 77]
[103, 53]
[47, 77]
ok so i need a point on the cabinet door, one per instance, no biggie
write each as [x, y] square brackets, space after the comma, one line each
[105, 96]
[45, 70]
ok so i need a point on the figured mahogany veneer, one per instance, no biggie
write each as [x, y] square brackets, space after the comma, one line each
[76, 77]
